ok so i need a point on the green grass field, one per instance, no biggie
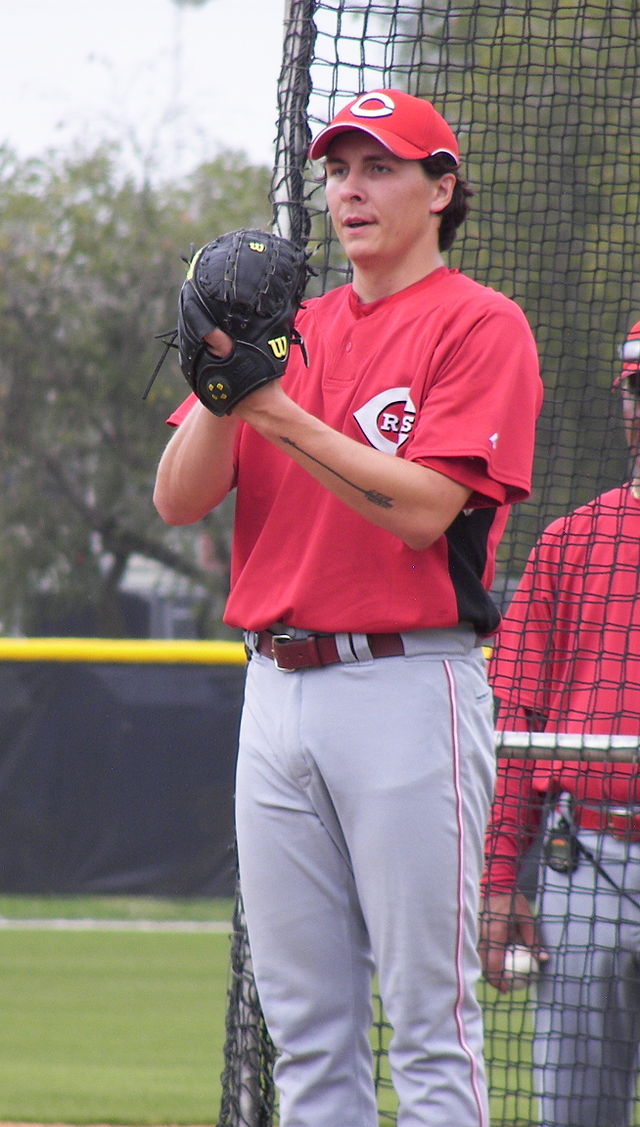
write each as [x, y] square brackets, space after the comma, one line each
[114, 908]
[111, 1026]
[126, 1026]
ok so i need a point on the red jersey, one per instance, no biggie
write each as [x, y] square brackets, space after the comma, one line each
[444, 373]
[569, 651]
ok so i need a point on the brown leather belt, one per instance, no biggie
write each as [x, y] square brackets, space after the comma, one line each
[316, 650]
[619, 821]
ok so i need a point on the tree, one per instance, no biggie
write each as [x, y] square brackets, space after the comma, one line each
[94, 264]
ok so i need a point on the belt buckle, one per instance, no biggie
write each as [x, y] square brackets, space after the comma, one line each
[622, 822]
[283, 639]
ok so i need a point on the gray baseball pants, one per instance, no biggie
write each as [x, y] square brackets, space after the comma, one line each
[587, 1015]
[363, 792]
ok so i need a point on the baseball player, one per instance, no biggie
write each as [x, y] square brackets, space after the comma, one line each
[372, 484]
[568, 660]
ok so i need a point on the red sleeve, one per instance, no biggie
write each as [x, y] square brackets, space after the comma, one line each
[480, 400]
[179, 415]
[515, 817]
[471, 472]
[519, 672]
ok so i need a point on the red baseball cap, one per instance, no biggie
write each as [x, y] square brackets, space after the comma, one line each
[629, 353]
[409, 127]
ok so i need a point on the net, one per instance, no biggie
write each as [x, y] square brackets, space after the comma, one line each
[543, 96]
[606, 906]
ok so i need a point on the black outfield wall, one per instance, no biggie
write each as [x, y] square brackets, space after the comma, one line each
[118, 778]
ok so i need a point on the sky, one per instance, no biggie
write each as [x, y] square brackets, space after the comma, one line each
[176, 83]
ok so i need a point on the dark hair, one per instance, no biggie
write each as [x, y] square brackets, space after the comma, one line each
[456, 210]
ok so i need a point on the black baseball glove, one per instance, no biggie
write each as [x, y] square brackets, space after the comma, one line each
[249, 284]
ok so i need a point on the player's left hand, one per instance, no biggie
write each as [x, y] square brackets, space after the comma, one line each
[236, 314]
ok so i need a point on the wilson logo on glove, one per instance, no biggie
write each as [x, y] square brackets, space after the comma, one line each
[279, 346]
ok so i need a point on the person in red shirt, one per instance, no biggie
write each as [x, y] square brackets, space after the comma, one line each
[372, 488]
[568, 660]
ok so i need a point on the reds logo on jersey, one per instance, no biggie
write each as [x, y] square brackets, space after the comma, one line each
[387, 419]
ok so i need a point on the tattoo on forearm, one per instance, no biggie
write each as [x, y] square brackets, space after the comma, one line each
[372, 495]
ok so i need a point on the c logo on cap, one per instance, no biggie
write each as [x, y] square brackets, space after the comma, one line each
[383, 108]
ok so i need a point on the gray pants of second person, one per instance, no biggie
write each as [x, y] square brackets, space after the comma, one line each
[362, 795]
[587, 1014]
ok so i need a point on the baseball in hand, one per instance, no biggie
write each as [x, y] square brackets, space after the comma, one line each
[519, 966]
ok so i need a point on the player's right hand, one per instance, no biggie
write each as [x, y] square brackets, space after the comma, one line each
[505, 918]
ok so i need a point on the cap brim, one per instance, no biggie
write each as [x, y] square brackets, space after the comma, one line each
[396, 145]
